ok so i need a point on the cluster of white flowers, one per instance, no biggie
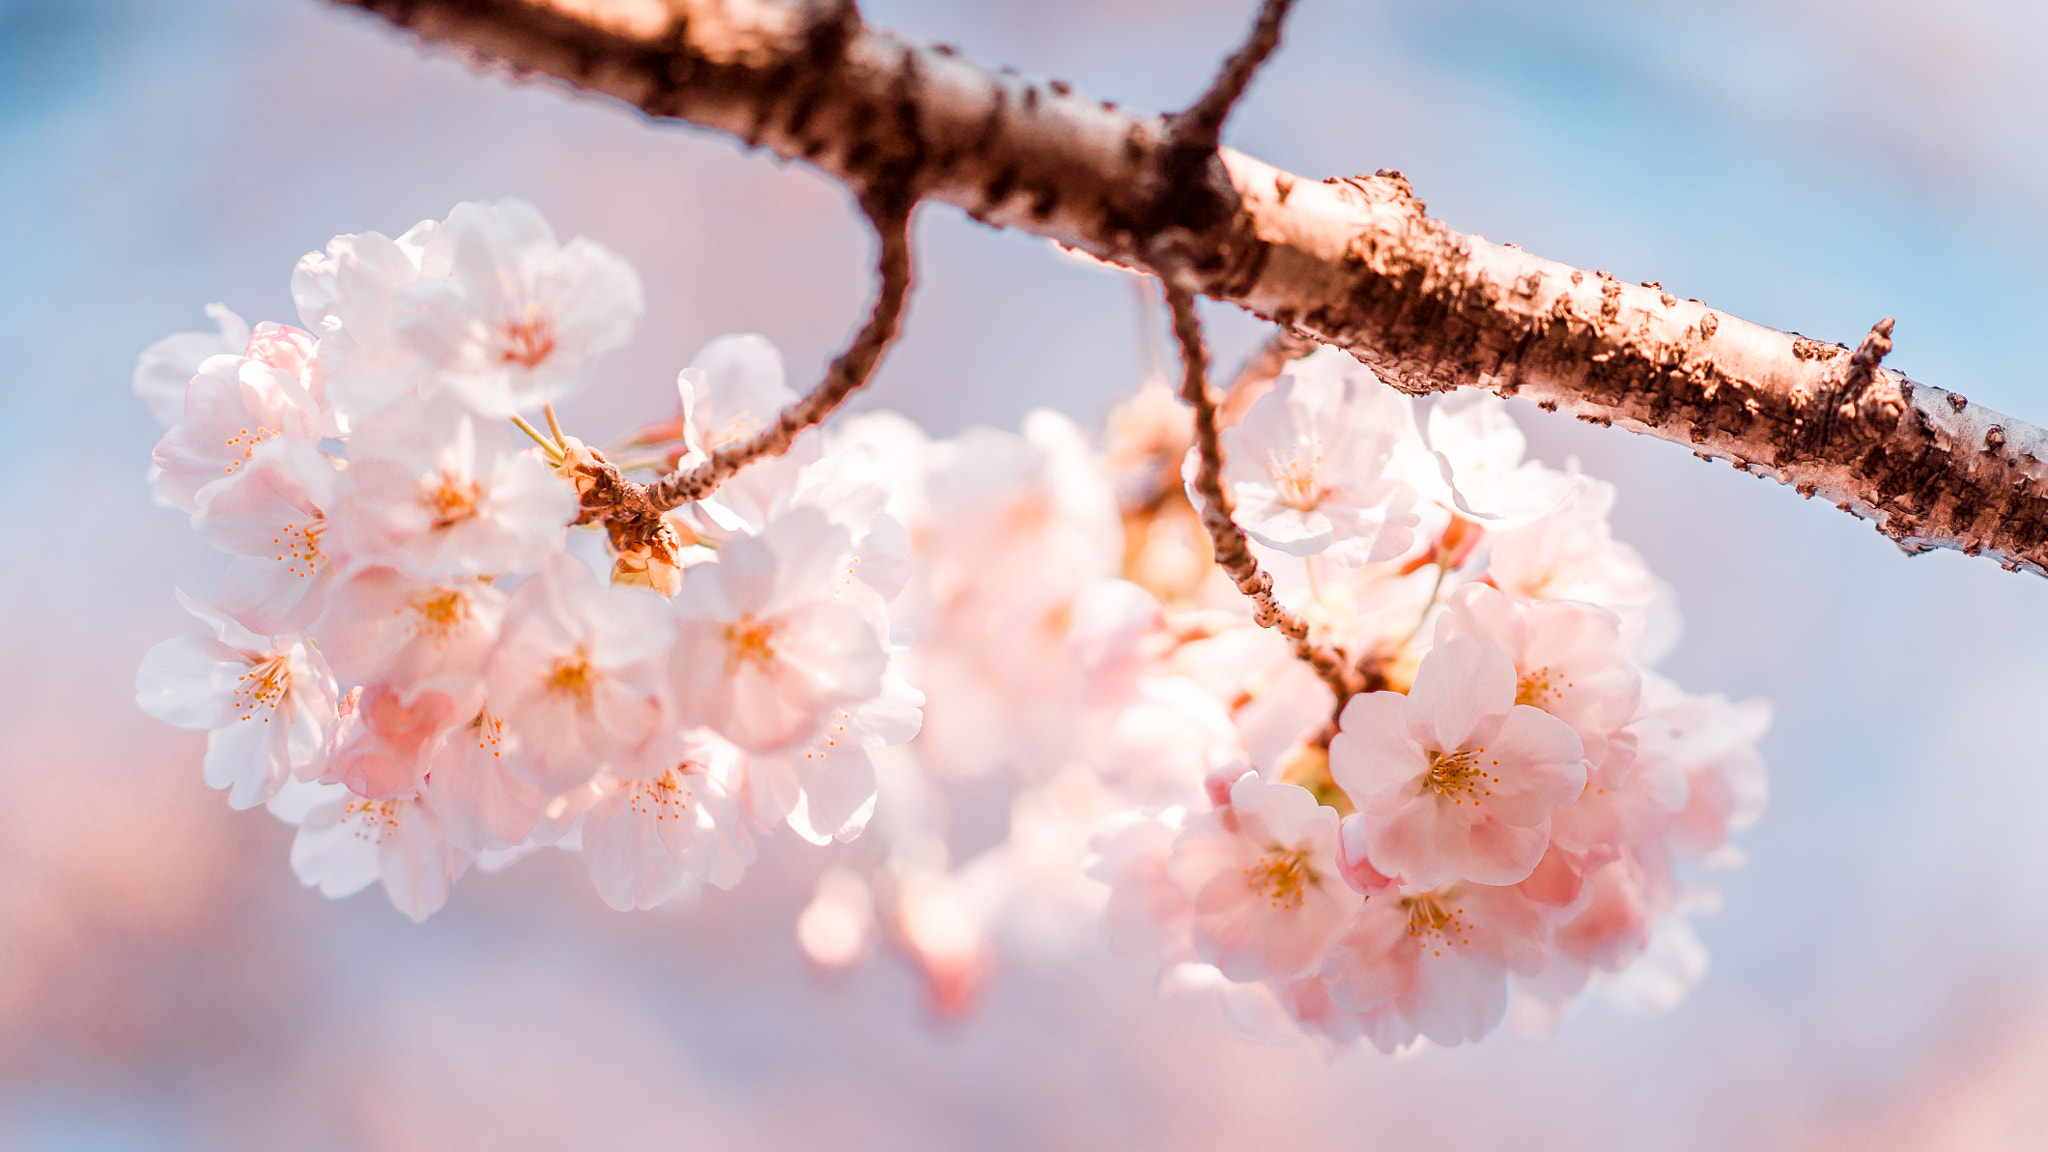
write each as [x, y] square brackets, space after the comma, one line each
[416, 659]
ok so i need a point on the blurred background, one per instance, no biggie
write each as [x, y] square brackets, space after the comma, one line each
[1810, 164]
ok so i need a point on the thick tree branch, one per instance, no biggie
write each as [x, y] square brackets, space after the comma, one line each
[1355, 262]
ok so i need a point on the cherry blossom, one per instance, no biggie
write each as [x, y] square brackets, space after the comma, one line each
[776, 635]
[1480, 449]
[431, 489]
[233, 404]
[1434, 962]
[825, 790]
[271, 519]
[479, 801]
[386, 738]
[346, 841]
[1569, 553]
[1308, 467]
[387, 625]
[1568, 658]
[267, 702]
[578, 677]
[518, 316]
[1454, 781]
[731, 391]
[1261, 874]
[647, 838]
[349, 296]
[168, 365]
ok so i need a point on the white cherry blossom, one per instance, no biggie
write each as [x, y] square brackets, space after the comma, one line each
[1479, 449]
[234, 404]
[346, 841]
[518, 317]
[438, 492]
[1308, 468]
[1454, 781]
[267, 702]
[1570, 553]
[349, 296]
[776, 635]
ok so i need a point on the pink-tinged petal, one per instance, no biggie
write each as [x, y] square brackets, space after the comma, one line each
[247, 759]
[1458, 996]
[274, 597]
[626, 858]
[416, 863]
[1354, 862]
[1373, 751]
[329, 854]
[1536, 761]
[838, 781]
[190, 681]
[1372, 965]
[1498, 853]
[747, 568]
[1423, 840]
[1460, 693]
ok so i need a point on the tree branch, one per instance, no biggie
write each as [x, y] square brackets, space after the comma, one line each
[1233, 551]
[846, 374]
[1355, 262]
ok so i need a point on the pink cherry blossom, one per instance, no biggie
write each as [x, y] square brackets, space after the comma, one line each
[1434, 962]
[647, 838]
[1147, 913]
[1569, 553]
[434, 491]
[1454, 781]
[386, 625]
[825, 790]
[167, 366]
[271, 518]
[519, 317]
[1308, 466]
[349, 296]
[1712, 740]
[346, 841]
[1261, 874]
[1632, 794]
[777, 635]
[578, 676]
[479, 801]
[233, 404]
[385, 740]
[1568, 657]
[268, 702]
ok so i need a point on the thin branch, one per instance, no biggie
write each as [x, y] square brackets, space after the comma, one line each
[846, 374]
[1233, 550]
[1354, 262]
[1200, 125]
[1260, 370]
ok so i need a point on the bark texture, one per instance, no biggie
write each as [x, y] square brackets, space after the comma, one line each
[1356, 262]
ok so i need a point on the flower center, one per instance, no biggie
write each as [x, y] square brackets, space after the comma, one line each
[572, 678]
[1434, 921]
[263, 686]
[666, 797]
[1460, 776]
[751, 641]
[375, 820]
[1294, 475]
[453, 501]
[247, 440]
[529, 339]
[489, 730]
[301, 543]
[1283, 876]
[441, 613]
[1540, 688]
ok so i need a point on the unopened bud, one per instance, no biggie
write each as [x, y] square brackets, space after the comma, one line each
[577, 463]
[656, 563]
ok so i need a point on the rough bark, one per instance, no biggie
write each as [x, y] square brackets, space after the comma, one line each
[1355, 262]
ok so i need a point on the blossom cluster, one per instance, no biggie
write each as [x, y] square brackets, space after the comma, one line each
[415, 660]
[1000, 669]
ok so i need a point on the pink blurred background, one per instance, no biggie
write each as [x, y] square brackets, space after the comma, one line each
[1812, 164]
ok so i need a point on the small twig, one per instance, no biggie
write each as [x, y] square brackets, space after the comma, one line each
[1256, 378]
[1233, 551]
[1200, 126]
[852, 369]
